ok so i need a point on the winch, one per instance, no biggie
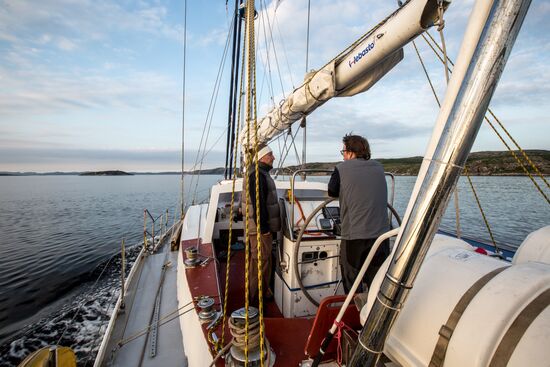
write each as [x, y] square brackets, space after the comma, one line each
[207, 313]
[237, 327]
[192, 258]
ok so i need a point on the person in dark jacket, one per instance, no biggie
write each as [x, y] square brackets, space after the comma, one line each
[360, 185]
[270, 220]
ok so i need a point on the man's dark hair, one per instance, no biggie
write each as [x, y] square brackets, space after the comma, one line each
[358, 145]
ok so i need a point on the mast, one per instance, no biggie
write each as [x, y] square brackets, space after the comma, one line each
[490, 35]
[233, 91]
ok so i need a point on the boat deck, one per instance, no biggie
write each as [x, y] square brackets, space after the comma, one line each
[278, 329]
[130, 343]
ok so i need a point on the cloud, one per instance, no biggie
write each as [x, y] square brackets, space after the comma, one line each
[89, 20]
[81, 73]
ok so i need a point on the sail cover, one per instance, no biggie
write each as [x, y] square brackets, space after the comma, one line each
[356, 70]
[319, 87]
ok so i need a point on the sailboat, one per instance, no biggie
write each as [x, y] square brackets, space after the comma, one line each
[436, 301]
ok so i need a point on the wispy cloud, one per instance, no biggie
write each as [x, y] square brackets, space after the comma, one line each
[93, 78]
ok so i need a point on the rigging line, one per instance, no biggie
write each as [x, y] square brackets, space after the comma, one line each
[213, 145]
[288, 150]
[183, 107]
[211, 103]
[497, 250]
[426, 73]
[281, 151]
[535, 168]
[518, 160]
[275, 51]
[234, 179]
[205, 154]
[307, 34]
[213, 99]
[303, 124]
[521, 150]
[209, 116]
[207, 136]
[165, 319]
[232, 87]
[265, 77]
[296, 152]
[465, 169]
[258, 220]
[235, 130]
[270, 79]
[282, 41]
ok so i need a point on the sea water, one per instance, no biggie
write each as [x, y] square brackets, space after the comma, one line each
[60, 239]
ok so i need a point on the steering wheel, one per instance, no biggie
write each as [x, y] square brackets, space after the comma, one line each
[299, 240]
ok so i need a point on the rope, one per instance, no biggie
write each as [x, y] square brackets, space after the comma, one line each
[252, 90]
[268, 64]
[240, 339]
[183, 107]
[209, 116]
[519, 162]
[533, 166]
[284, 47]
[224, 317]
[293, 137]
[465, 169]
[274, 53]
[165, 319]
[249, 34]
[482, 213]
[521, 150]
[338, 335]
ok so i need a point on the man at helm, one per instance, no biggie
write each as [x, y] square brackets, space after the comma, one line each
[270, 219]
[360, 185]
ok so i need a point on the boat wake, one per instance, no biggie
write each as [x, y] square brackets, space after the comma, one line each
[80, 319]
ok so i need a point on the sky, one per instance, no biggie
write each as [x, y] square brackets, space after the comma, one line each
[97, 85]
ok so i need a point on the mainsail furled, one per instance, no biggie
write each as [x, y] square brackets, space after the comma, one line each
[355, 70]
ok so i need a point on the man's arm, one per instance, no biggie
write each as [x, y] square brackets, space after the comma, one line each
[334, 184]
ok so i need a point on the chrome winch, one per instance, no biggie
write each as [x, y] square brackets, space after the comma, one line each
[207, 312]
[237, 327]
[191, 257]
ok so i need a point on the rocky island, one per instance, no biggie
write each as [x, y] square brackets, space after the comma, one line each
[106, 173]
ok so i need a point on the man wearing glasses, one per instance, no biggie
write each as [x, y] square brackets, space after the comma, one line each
[359, 184]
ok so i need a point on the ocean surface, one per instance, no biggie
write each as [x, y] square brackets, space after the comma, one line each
[60, 240]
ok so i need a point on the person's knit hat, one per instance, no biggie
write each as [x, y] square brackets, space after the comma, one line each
[264, 151]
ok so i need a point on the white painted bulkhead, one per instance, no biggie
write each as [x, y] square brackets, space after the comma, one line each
[195, 346]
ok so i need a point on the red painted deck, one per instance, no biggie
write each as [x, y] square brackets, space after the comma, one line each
[286, 336]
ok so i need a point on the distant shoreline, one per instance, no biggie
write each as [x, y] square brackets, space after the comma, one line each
[500, 163]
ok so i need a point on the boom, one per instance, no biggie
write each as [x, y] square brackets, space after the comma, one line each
[355, 70]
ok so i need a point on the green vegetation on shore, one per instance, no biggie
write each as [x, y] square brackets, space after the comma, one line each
[478, 164]
[500, 163]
